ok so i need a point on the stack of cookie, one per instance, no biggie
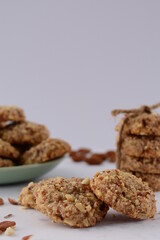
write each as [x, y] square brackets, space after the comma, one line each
[138, 145]
[24, 142]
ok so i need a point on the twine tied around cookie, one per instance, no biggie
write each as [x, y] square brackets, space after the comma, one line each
[140, 110]
[130, 113]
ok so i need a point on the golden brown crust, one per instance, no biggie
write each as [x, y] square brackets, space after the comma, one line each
[147, 147]
[144, 165]
[125, 193]
[11, 113]
[7, 151]
[143, 125]
[138, 123]
[26, 196]
[70, 201]
[47, 150]
[138, 144]
[6, 163]
[24, 133]
[153, 180]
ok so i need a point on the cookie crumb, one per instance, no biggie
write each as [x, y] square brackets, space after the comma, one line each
[9, 231]
[12, 201]
[27, 237]
[8, 216]
[5, 224]
[86, 181]
[1, 202]
[24, 207]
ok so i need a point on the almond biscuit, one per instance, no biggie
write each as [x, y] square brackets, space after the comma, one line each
[140, 164]
[146, 124]
[6, 163]
[11, 113]
[153, 180]
[125, 193]
[24, 133]
[70, 201]
[7, 151]
[47, 150]
[146, 147]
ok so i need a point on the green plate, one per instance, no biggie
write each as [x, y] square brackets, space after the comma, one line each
[26, 172]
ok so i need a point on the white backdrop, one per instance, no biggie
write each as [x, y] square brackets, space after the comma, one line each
[69, 63]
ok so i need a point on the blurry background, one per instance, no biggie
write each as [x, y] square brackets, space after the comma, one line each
[69, 63]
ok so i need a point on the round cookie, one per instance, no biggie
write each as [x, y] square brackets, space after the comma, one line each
[145, 124]
[70, 201]
[47, 150]
[143, 165]
[26, 197]
[6, 163]
[125, 193]
[24, 133]
[141, 147]
[11, 113]
[153, 180]
[7, 151]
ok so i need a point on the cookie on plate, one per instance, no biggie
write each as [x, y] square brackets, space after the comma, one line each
[47, 150]
[24, 133]
[11, 113]
[125, 193]
[70, 201]
[6, 163]
[7, 151]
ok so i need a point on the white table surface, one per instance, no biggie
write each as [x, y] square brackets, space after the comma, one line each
[112, 227]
